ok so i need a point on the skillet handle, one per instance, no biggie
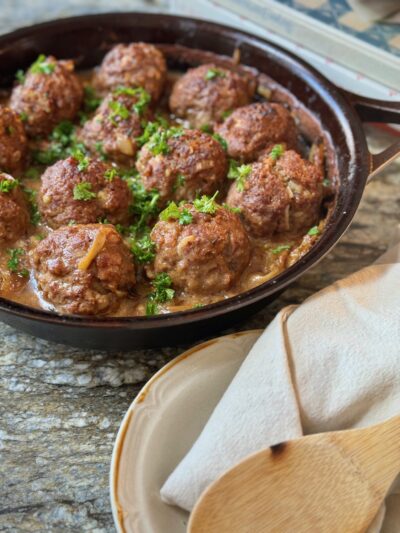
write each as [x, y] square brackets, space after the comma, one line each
[371, 110]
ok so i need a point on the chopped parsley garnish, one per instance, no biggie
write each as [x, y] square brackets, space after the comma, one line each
[236, 210]
[42, 66]
[277, 151]
[23, 116]
[63, 143]
[143, 249]
[91, 101]
[110, 174]
[13, 264]
[158, 142]
[83, 160]
[33, 207]
[239, 173]
[180, 181]
[313, 231]
[280, 249]
[99, 149]
[143, 97]
[206, 204]
[20, 76]
[7, 185]
[32, 173]
[183, 215]
[206, 128]
[145, 203]
[162, 293]
[148, 130]
[221, 141]
[83, 191]
[118, 111]
[9, 130]
[214, 73]
[326, 182]
[226, 113]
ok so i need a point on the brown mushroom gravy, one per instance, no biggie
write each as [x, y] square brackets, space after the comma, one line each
[199, 224]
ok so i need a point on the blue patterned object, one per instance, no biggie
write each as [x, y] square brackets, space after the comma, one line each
[331, 12]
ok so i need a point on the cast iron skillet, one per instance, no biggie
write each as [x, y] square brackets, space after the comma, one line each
[87, 39]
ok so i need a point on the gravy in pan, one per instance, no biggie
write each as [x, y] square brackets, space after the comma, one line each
[269, 256]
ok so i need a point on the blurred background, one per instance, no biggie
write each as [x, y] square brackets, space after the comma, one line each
[356, 43]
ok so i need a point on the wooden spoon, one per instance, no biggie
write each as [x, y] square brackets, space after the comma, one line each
[330, 482]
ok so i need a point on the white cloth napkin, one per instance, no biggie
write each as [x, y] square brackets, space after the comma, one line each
[331, 363]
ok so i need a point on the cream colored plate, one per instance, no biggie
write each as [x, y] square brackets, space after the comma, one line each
[160, 427]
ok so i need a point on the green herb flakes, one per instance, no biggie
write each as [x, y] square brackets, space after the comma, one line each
[206, 128]
[221, 141]
[143, 98]
[20, 76]
[119, 111]
[313, 231]
[162, 293]
[23, 116]
[206, 204]
[83, 191]
[143, 249]
[280, 249]
[83, 160]
[232, 209]
[213, 73]
[179, 182]
[42, 66]
[6, 185]
[239, 173]
[13, 264]
[110, 174]
[91, 101]
[277, 151]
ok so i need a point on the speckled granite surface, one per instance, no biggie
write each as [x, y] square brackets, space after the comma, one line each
[60, 407]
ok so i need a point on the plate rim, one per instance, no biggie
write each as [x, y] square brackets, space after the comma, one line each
[118, 447]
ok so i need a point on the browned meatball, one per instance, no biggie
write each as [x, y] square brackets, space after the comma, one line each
[14, 212]
[13, 143]
[204, 256]
[83, 270]
[250, 129]
[83, 192]
[204, 94]
[279, 195]
[50, 93]
[194, 164]
[116, 125]
[133, 65]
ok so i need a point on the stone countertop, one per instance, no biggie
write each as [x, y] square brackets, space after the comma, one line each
[61, 407]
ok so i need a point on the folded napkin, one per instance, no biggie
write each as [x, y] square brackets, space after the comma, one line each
[331, 363]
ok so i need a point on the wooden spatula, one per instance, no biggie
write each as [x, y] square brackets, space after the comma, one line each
[330, 482]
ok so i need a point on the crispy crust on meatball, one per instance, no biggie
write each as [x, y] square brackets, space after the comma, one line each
[206, 256]
[203, 99]
[195, 164]
[250, 129]
[133, 65]
[58, 263]
[14, 212]
[114, 133]
[280, 195]
[13, 143]
[44, 99]
[105, 198]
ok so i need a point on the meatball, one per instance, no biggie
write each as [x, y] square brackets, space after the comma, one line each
[84, 269]
[280, 193]
[83, 191]
[116, 125]
[193, 163]
[14, 212]
[50, 93]
[203, 95]
[207, 255]
[133, 65]
[250, 129]
[13, 143]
